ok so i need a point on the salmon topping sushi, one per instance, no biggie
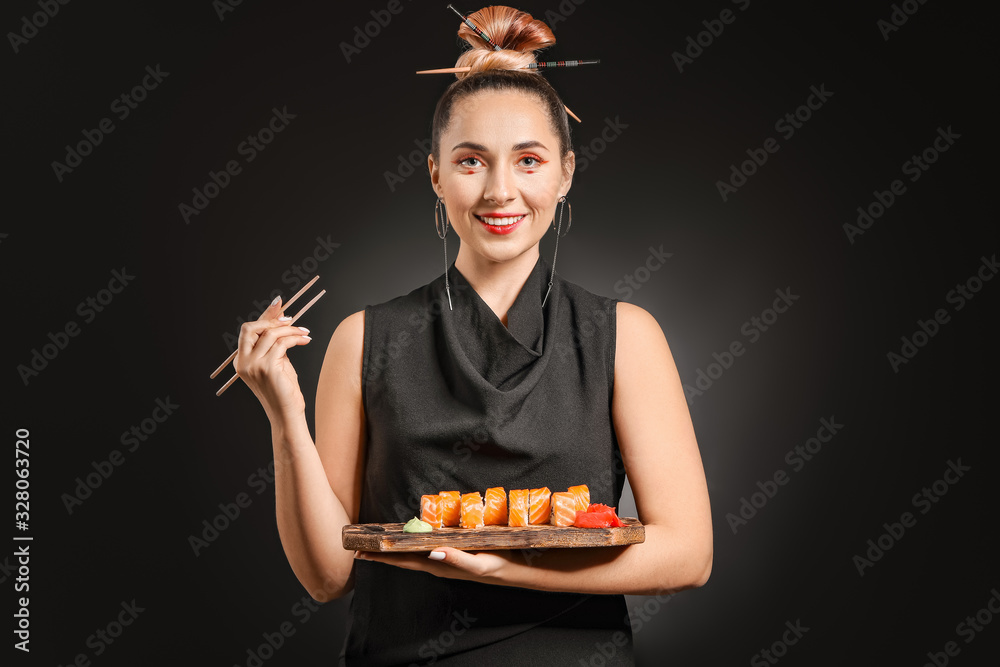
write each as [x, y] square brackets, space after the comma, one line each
[495, 513]
[582, 494]
[472, 510]
[564, 510]
[518, 509]
[430, 510]
[451, 507]
[539, 508]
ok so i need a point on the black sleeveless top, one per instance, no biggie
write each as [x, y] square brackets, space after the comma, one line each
[456, 401]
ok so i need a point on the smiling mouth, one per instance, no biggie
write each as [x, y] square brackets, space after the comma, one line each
[500, 222]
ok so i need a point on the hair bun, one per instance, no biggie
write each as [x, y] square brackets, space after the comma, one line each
[516, 33]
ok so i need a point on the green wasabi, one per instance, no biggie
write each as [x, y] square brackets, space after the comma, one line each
[415, 525]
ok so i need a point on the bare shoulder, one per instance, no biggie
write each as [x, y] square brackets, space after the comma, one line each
[637, 328]
[344, 353]
[351, 328]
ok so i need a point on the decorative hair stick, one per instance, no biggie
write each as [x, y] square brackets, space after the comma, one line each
[562, 63]
[496, 47]
[540, 65]
[472, 26]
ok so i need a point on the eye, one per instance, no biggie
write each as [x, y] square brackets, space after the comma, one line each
[531, 161]
[469, 162]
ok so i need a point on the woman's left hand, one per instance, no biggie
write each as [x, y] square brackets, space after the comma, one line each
[481, 566]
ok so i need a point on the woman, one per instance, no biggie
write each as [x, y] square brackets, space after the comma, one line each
[498, 373]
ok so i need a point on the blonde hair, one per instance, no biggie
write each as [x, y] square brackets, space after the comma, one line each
[516, 33]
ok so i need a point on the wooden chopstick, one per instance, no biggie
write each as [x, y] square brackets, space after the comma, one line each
[297, 316]
[293, 320]
[283, 307]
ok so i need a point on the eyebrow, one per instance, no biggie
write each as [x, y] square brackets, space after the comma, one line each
[482, 149]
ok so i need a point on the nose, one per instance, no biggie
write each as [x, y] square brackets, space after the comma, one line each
[499, 186]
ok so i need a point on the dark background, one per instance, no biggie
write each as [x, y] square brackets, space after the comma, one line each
[654, 184]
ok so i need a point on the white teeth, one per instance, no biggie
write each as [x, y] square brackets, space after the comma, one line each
[501, 222]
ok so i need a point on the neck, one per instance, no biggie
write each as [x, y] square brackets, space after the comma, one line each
[497, 283]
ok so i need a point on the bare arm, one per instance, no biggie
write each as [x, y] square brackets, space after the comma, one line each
[664, 468]
[317, 485]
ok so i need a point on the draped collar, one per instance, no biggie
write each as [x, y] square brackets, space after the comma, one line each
[501, 355]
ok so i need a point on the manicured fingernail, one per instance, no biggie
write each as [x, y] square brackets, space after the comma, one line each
[304, 329]
[276, 300]
[308, 337]
[436, 555]
[285, 318]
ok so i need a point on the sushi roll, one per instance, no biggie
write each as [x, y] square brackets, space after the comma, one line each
[564, 510]
[495, 513]
[472, 510]
[582, 494]
[430, 510]
[451, 503]
[518, 508]
[538, 506]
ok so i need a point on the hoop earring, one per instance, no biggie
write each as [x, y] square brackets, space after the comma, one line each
[559, 234]
[441, 226]
[569, 223]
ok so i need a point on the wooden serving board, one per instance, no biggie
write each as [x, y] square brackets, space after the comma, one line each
[390, 537]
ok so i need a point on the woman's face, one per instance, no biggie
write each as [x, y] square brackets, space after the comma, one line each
[500, 173]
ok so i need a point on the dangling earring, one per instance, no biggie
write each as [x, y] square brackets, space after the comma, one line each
[441, 225]
[559, 233]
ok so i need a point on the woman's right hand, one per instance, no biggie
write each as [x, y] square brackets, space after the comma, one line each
[262, 363]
